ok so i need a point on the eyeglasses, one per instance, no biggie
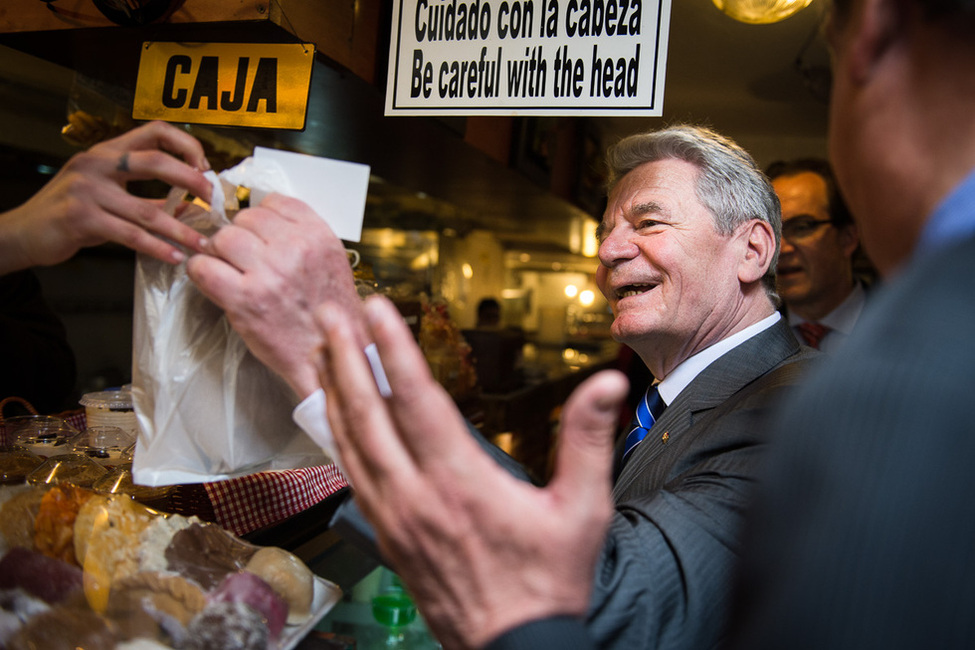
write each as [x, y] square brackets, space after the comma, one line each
[801, 227]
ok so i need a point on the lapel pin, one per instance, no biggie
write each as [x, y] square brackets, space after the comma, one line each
[664, 438]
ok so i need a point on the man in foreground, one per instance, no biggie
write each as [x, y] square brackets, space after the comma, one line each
[863, 534]
[687, 257]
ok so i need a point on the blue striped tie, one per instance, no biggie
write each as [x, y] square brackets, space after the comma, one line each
[648, 411]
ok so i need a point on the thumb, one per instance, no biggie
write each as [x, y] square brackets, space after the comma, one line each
[584, 458]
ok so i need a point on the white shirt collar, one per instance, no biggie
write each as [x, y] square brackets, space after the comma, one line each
[845, 316]
[691, 367]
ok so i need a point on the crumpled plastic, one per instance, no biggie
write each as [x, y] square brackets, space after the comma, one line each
[208, 410]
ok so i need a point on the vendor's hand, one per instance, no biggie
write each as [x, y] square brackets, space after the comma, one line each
[86, 202]
[269, 270]
[480, 551]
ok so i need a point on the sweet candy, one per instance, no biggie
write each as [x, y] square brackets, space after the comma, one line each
[45, 577]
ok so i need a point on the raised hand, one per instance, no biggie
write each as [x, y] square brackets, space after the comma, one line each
[269, 270]
[480, 551]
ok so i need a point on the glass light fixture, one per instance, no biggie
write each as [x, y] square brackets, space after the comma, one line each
[760, 12]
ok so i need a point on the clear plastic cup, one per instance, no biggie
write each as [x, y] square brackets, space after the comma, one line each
[111, 408]
[106, 445]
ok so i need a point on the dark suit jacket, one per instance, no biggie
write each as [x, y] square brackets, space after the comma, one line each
[864, 534]
[665, 574]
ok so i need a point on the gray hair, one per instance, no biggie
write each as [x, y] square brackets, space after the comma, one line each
[729, 183]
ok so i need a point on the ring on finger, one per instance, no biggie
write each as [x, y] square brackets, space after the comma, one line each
[123, 163]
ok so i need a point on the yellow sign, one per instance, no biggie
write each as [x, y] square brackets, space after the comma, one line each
[231, 84]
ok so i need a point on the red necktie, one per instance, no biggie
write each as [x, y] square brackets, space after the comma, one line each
[813, 333]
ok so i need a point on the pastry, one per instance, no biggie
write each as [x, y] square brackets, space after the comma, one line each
[289, 577]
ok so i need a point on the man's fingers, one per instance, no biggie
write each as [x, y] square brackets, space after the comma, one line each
[217, 280]
[162, 135]
[239, 247]
[158, 165]
[149, 216]
[290, 208]
[354, 397]
[585, 452]
[418, 403]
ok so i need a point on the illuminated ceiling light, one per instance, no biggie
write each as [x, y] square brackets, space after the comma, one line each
[587, 297]
[760, 12]
[467, 270]
[571, 290]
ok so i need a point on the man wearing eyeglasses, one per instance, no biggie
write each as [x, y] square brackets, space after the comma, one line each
[815, 276]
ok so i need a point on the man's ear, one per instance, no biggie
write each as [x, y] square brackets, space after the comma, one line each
[759, 248]
[849, 238]
[871, 32]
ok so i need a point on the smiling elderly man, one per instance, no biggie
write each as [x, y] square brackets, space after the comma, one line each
[687, 256]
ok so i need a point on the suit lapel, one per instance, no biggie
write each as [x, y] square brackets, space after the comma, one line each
[715, 384]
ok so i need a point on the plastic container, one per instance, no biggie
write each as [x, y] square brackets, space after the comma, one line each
[111, 408]
[119, 481]
[16, 463]
[107, 446]
[67, 468]
[44, 435]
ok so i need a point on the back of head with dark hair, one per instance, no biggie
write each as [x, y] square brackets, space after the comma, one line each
[488, 312]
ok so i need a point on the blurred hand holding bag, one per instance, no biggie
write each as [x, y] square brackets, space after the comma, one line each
[208, 410]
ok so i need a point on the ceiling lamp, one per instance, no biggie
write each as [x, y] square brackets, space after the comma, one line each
[760, 12]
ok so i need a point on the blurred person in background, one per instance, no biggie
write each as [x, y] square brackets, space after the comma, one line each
[488, 313]
[821, 293]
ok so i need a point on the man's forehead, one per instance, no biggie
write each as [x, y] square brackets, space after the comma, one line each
[654, 181]
[804, 184]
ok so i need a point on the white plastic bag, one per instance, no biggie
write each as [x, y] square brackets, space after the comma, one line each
[208, 410]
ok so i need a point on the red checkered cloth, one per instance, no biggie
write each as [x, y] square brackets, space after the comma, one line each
[250, 502]
[76, 419]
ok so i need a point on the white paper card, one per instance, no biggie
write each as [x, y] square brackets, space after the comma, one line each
[335, 189]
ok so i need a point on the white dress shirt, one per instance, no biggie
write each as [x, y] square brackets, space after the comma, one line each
[840, 321]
